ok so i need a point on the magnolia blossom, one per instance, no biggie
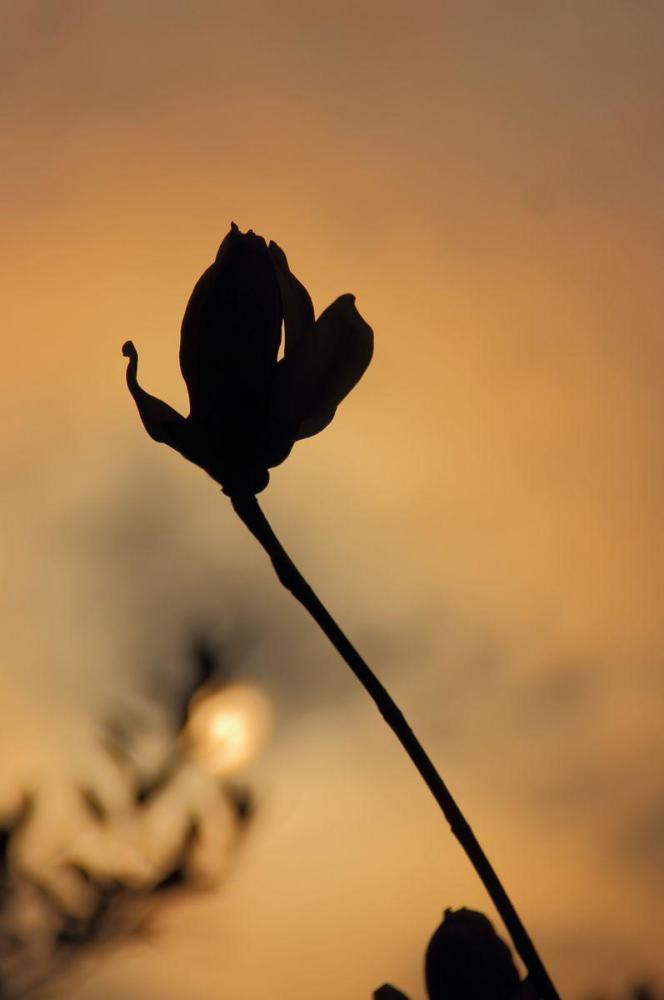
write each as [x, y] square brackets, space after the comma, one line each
[247, 408]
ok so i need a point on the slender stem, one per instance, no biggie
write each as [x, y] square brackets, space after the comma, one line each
[249, 510]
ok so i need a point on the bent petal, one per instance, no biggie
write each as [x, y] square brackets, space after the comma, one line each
[318, 373]
[296, 302]
[161, 421]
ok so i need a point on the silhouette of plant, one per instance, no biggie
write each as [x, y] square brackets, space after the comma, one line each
[247, 409]
[466, 960]
[95, 878]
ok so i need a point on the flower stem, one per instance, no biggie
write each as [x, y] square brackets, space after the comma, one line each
[248, 509]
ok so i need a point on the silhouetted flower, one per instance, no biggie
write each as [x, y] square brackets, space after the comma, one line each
[466, 960]
[247, 409]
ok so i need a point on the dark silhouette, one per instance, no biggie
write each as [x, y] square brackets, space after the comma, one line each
[466, 960]
[247, 409]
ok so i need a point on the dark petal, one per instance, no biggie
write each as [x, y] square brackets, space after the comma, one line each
[318, 373]
[232, 329]
[227, 242]
[466, 958]
[295, 299]
[161, 421]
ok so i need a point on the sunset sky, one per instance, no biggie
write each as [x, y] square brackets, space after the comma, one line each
[483, 516]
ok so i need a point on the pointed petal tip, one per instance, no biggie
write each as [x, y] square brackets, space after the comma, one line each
[278, 255]
[228, 239]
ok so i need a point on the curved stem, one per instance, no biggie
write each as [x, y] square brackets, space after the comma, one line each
[249, 510]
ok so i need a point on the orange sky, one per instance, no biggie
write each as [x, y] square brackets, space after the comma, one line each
[483, 515]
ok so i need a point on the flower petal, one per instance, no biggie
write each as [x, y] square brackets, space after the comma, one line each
[160, 420]
[295, 300]
[318, 373]
[230, 335]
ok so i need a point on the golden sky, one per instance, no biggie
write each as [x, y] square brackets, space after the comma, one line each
[483, 515]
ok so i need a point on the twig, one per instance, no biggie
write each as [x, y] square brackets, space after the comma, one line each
[250, 512]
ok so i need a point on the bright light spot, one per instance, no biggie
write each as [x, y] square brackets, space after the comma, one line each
[227, 727]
